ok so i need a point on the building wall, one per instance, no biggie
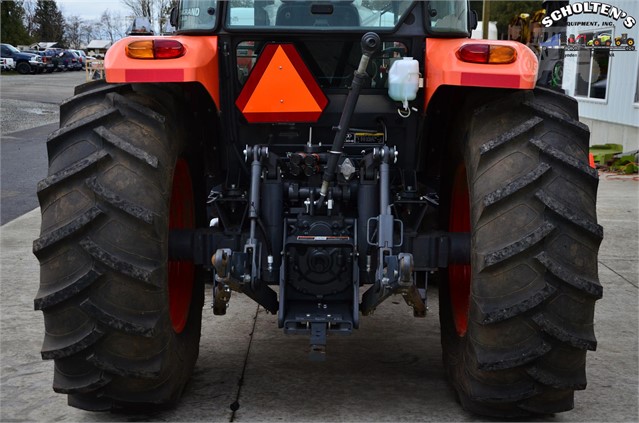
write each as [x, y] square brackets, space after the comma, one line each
[614, 118]
[602, 132]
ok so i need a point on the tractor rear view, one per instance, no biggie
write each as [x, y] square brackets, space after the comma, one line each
[319, 157]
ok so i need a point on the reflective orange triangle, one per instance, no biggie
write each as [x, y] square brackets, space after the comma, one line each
[281, 89]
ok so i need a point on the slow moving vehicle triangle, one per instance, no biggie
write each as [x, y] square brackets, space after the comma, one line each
[281, 89]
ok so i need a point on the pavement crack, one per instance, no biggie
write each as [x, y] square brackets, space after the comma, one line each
[617, 273]
[236, 404]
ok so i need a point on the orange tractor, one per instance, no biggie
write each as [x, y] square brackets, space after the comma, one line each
[319, 157]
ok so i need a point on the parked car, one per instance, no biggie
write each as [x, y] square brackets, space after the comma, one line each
[70, 60]
[25, 62]
[82, 55]
[7, 64]
[45, 60]
[51, 57]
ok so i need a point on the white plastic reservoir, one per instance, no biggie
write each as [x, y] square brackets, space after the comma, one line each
[403, 80]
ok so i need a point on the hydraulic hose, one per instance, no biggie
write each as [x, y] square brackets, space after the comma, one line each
[371, 43]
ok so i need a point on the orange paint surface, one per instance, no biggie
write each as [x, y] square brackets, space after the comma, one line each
[444, 68]
[199, 64]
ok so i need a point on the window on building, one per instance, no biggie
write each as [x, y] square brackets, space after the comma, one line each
[593, 62]
[637, 87]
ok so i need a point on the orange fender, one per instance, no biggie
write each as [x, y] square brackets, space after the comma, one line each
[198, 64]
[443, 67]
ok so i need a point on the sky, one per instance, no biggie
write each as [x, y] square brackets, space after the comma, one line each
[90, 9]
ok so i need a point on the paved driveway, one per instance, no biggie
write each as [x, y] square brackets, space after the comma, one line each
[389, 370]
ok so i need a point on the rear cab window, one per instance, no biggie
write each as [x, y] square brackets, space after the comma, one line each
[197, 15]
[306, 15]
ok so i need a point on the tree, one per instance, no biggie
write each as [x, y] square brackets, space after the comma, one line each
[89, 31]
[164, 12]
[29, 7]
[12, 30]
[73, 32]
[111, 26]
[49, 22]
[139, 8]
[156, 11]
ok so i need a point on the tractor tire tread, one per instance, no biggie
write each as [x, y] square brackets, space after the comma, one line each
[47, 298]
[587, 286]
[76, 225]
[102, 249]
[565, 332]
[569, 215]
[127, 147]
[507, 311]
[85, 122]
[70, 344]
[116, 263]
[525, 243]
[561, 156]
[150, 368]
[76, 168]
[535, 171]
[116, 201]
[79, 384]
[517, 185]
[510, 135]
[133, 326]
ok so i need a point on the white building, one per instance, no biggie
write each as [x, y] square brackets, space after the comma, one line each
[98, 47]
[602, 72]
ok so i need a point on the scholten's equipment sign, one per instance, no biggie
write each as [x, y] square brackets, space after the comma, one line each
[589, 7]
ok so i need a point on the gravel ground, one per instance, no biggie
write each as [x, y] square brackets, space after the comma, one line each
[30, 101]
[17, 115]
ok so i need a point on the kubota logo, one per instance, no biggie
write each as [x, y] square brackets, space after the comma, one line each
[588, 7]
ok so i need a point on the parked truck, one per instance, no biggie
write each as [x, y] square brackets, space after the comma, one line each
[319, 157]
[7, 64]
[25, 63]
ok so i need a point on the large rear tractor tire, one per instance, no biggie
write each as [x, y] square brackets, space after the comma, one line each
[122, 322]
[517, 322]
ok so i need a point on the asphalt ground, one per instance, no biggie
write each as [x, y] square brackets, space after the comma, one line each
[28, 114]
[388, 370]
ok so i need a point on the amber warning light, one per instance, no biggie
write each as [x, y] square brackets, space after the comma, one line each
[155, 49]
[487, 53]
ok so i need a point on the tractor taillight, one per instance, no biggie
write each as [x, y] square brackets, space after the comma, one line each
[155, 49]
[487, 53]
[168, 49]
[140, 49]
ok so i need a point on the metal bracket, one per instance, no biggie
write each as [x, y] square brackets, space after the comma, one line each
[221, 298]
[232, 269]
[318, 341]
[397, 277]
[387, 226]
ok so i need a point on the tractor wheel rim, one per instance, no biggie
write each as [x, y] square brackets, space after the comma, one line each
[459, 275]
[181, 273]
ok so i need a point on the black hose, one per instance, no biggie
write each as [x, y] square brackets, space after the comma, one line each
[371, 43]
